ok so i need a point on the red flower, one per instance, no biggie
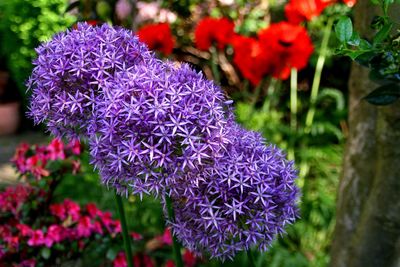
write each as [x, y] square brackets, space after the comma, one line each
[249, 58]
[169, 263]
[212, 31]
[350, 3]
[189, 258]
[36, 164]
[297, 11]
[157, 37]
[37, 238]
[288, 46]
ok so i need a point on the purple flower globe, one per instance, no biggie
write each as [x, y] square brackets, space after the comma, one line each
[156, 122]
[71, 71]
[244, 199]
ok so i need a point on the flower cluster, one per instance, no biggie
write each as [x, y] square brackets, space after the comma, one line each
[22, 234]
[71, 71]
[157, 37]
[33, 160]
[212, 31]
[242, 200]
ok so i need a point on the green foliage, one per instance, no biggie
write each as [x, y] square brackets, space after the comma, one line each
[380, 53]
[23, 25]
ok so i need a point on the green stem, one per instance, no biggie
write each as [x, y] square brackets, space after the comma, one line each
[293, 110]
[317, 75]
[214, 64]
[250, 257]
[125, 234]
[270, 95]
[257, 92]
[175, 246]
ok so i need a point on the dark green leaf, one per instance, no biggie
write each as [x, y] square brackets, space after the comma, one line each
[384, 95]
[364, 59]
[45, 253]
[382, 33]
[364, 44]
[344, 29]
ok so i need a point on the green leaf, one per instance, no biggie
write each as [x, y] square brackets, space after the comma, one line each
[386, 4]
[382, 34]
[384, 95]
[355, 39]
[45, 253]
[344, 29]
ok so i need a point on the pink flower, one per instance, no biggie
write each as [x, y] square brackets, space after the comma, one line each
[75, 147]
[84, 228]
[120, 260]
[24, 230]
[28, 263]
[136, 236]
[72, 209]
[58, 210]
[92, 210]
[123, 9]
[56, 149]
[12, 241]
[166, 237]
[97, 228]
[36, 164]
[55, 234]
[37, 238]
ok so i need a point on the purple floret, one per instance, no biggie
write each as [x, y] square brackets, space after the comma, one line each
[244, 199]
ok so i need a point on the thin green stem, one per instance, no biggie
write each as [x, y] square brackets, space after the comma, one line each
[317, 75]
[293, 110]
[270, 95]
[125, 234]
[175, 245]
[250, 257]
[257, 92]
[214, 64]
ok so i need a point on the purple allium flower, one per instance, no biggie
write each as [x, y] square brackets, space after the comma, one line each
[156, 122]
[71, 71]
[243, 199]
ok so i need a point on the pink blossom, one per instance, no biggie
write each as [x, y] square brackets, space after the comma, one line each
[28, 263]
[72, 209]
[136, 236]
[123, 8]
[84, 228]
[75, 147]
[166, 237]
[37, 238]
[24, 229]
[92, 210]
[58, 210]
[120, 260]
[56, 149]
[97, 228]
[55, 234]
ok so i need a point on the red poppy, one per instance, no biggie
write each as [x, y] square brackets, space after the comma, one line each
[288, 46]
[212, 31]
[157, 37]
[250, 58]
[297, 11]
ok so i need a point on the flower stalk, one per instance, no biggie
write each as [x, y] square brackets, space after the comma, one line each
[250, 258]
[317, 75]
[125, 235]
[175, 245]
[293, 109]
